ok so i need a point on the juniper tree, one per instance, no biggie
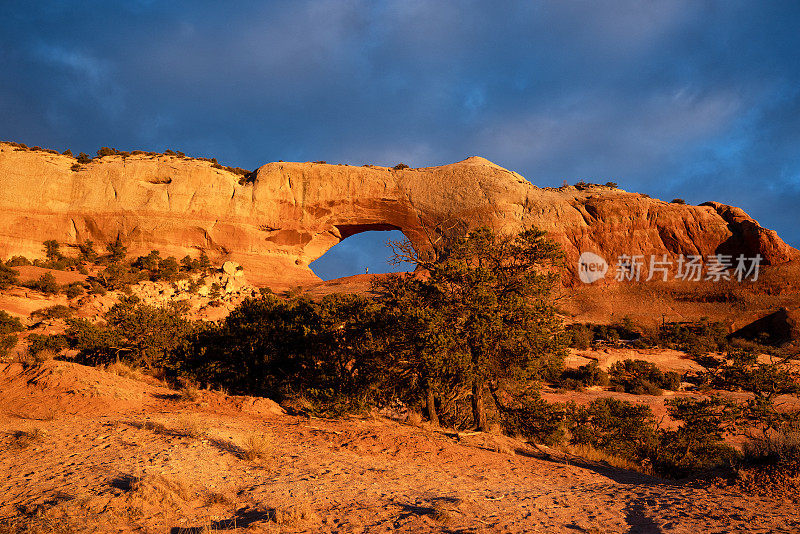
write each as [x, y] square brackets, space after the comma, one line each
[424, 354]
[52, 250]
[484, 310]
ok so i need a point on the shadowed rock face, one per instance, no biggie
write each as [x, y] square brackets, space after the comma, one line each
[292, 213]
[778, 328]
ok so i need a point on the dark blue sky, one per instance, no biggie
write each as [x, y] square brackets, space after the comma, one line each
[691, 99]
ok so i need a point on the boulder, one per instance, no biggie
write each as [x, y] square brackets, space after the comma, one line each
[779, 328]
[230, 268]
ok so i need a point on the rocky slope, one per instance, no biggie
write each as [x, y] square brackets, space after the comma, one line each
[290, 214]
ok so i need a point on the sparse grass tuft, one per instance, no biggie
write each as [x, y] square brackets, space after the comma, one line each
[587, 452]
[294, 514]
[38, 413]
[414, 418]
[22, 439]
[32, 359]
[443, 512]
[191, 427]
[257, 448]
[496, 429]
[125, 371]
[155, 426]
[41, 522]
[190, 392]
[224, 498]
[500, 446]
[162, 490]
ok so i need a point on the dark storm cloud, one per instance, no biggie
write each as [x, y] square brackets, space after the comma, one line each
[692, 99]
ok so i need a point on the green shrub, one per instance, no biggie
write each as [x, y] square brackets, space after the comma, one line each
[620, 428]
[157, 268]
[779, 451]
[59, 311]
[201, 264]
[584, 376]
[46, 284]
[9, 326]
[7, 342]
[195, 285]
[96, 288]
[38, 343]
[52, 250]
[87, 252]
[138, 334]
[698, 444]
[695, 338]
[582, 336]
[9, 323]
[55, 260]
[534, 418]
[741, 370]
[215, 291]
[641, 378]
[188, 264]
[579, 336]
[116, 251]
[168, 269]
[18, 261]
[74, 290]
[8, 276]
[321, 350]
[119, 276]
[107, 151]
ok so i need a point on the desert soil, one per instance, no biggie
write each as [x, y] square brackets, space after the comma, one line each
[110, 454]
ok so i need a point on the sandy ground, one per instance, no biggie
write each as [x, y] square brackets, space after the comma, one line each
[21, 302]
[32, 272]
[665, 359]
[112, 454]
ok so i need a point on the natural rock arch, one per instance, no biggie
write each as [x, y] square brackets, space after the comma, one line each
[364, 251]
[289, 214]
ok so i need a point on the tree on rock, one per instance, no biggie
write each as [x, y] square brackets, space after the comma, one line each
[52, 250]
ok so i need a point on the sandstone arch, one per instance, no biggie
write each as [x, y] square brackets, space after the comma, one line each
[290, 214]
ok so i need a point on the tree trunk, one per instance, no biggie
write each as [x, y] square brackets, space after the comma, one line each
[478, 410]
[430, 402]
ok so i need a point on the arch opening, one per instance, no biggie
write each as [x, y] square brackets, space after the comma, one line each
[360, 252]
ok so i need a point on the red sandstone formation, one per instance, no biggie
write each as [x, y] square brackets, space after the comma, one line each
[292, 213]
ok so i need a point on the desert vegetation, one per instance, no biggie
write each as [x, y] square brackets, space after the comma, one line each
[472, 344]
[582, 185]
[83, 159]
[693, 337]
[112, 271]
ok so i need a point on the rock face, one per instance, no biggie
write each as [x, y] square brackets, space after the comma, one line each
[292, 213]
[779, 328]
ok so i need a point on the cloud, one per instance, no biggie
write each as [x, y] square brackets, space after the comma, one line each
[695, 99]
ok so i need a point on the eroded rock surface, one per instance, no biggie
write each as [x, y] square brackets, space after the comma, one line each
[292, 213]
